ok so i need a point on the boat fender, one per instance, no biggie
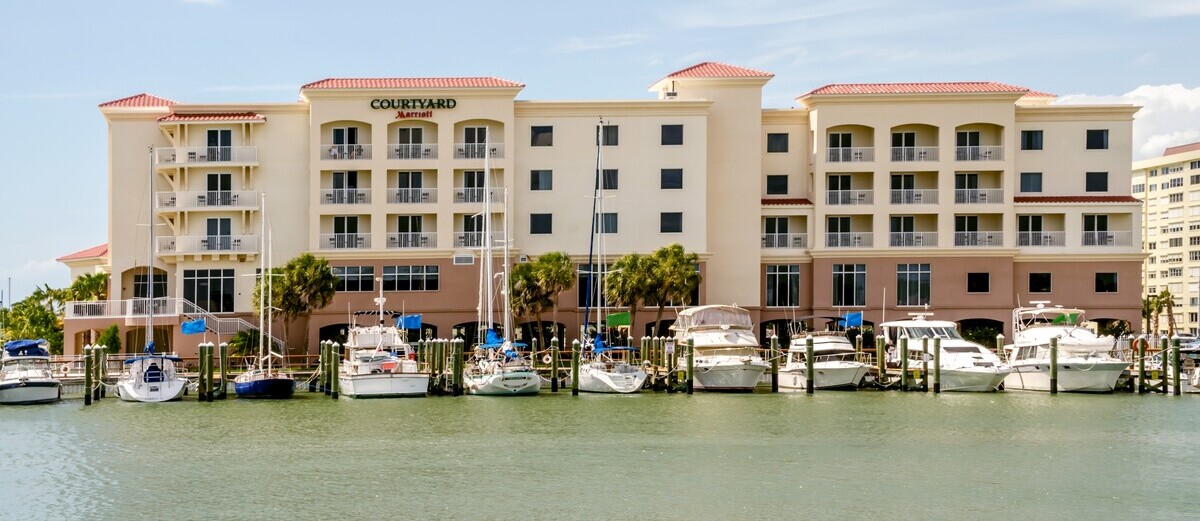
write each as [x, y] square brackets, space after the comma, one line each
[546, 359]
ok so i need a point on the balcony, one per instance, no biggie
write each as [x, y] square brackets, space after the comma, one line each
[912, 239]
[344, 241]
[979, 153]
[193, 156]
[1033, 239]
[350, 152]
[785, 240]
[139, 307]
[417, 151]
[201, 200]
[412, 240]
[345, 196]
[478, 150]
[851, 155]
[906, 154]
[475, 195]
[201, 244]
[979, 196]
[849, 240]
[980, 239]
[844, 197]
[411, 195]
[914, 196]
[1107, 238]
[468, 240]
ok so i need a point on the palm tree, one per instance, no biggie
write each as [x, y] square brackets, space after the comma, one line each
[628, 284]
[244, 343]
[1167, 303]
[89, 286]
[673, 279]
[555, 273]
[1149, 306]
[303, 285]
[526, 296]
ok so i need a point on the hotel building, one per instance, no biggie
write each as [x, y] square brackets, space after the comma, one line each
[964, 198]
[1170, 188]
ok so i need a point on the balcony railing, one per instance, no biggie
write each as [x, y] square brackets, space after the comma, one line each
[204, 155]
[206, 244]
[345, 241]
[989, 153]
[914, 153]
[345, 196]
[468, 240]
[412, 240]
[914, 196]
[1107, 238]
[848, 240]
[478, 150]
[979, 196]
[785, 240]
[412, 195]
[850, 197]
[163, 306]
[190, 200]
[345, 151]
[978, 238]
[412, 151]
[1041, 238]
[475, 195]
[851, 155]
[912, 239]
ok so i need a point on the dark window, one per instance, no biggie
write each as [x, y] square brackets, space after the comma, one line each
[540, 223]
[541, 180]
[783, 285]
[1097, 139]
[777, 185]
[912, 284]
[139, 285]
[610, 179]
[1031, 181]
[1031, 140]
[1039, 283]
[672, 179]
[410, 278]
[672, 134]
[587, 285]
[849, 284]
[211, 290]
[1097, 182]
[355, 278]
[979, 282]
[670, 222]
[777, 143]
[608, 223]
[608, 134]
[1106, 283]
[541, 136]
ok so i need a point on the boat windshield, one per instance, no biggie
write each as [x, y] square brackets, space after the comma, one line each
[960, 349]
[718, 316]
[26, 365]
[942, 332]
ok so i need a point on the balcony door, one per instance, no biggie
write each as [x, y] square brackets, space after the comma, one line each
[473, 230]
[408, 187]
[902, 228]
[1095, 230]
[1029, 231]
[409, 141]
[473, 186]
[408, 230]
[968, 145]
[345, 187]
[839, 189]
[345, 143]
[838, 231]
[839, 146]
[220, 230]
[904, 146]
[220, 145]
[966, 188]
[902, 188]
[775, 230]
[345, 231]
[220, 188]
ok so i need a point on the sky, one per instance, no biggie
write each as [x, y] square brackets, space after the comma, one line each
[63, 58]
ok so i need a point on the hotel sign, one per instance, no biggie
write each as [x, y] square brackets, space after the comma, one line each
[413, 107]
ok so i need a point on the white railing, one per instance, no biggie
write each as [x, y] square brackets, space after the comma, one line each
[344, 241]
[218, 325]
[1041, 238]
[989, 153]
[412, 240]
[914, 196]
[979, 195]
[849, 240]
[978, 238]
[468, 240]
[1107, 238]
[346, 151]
[851, 155]
[206, 244]
[412, 151]
[477, 150]
[850, 197]
[345, 196]
[411, 195]
[475, 195]
[188, 200]
[167, 307]
[912, 239]
[193, 155]
[785, 240]
[914, 153]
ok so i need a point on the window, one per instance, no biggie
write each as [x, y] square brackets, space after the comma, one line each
[1175, 242]
[840, 140]
[777, 143]
[588, 275]
[912, 284]
[139, 285]
[1097, 139]
[979, 282]
[672, 134]
[1193, 241]
[783, 285]
[672, 179]
[1139, 188]
[1175, 272]
[211, 290]
[1031, 181]
[541, 136]
[1097, 182]
[1106, 283]
[541, 180]
[540, 223]
[610, 179]
[345, 232]
[355, 278]
[1175, 198]
[1031, 140]
[777, 185]
[410, 278]
[608, 135]
[1194, 180]
[670, 222]
[1194, 165]
[1176, 182]
[608, 223]
[849, 284]
[1039, 283]
[409, 136]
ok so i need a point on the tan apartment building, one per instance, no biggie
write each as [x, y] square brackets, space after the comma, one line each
[961, 198]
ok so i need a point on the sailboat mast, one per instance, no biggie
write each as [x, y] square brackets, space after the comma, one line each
[489, 274]
[601, 268]
[150, 255]
[504, 289]
[590, 300]
[263, 276]
[270, 296]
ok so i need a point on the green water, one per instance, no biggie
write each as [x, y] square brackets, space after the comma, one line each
[835, 455]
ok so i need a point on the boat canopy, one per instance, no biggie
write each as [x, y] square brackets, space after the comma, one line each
[26, 347]
[408, 321]
[599, 347]
[493, 341]
[152, 357]
[712, 316]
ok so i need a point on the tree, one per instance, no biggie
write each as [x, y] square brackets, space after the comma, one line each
[244, 343]
[305, 284]
[1166, 303]
[555, 273]
[110, 338]
[629, 284]
[673, 279]
[34, 318]
[89, 286]
[1151, 307]
[526, 296]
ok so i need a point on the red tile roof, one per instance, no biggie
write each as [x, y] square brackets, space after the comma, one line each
[413, 83]
[1181, 148]
[718, 70]
[90, 253]
[1077, 199]
[140, 100]
[1039, 94]
[955, 87]
[213, 116]
[780, 201]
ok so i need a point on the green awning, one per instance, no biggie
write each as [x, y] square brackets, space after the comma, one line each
[1066, 318]
[617, 319]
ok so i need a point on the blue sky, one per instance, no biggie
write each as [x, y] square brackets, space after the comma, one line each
[64, 58]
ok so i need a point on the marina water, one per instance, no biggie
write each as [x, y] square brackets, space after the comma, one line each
[835, 455]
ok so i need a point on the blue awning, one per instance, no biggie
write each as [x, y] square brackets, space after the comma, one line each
[153, 357]
[26, 347]
[600, 347]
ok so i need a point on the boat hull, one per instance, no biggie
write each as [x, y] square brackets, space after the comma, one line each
[972, 380]
[30, 391]
[1100, 377]
[384, 385]
[728, 376]
[165, 391]
[596, 380]
[266, 388]
[828, 376]
[503, 384]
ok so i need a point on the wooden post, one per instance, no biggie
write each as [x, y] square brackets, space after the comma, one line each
[904, 363]
[1175, 367]
[691, 365]
[200, 387]
[774, 363]
[1141, 356]
[87, 375]
[533, 345]
[224, 354]
[1163, 351]
[671, 360]
[458, 347]
[1053, 365]
[103, 373]
[858, 340]
[880, 361]
[925, 363]
[336, 359]
[96, 366]
[1000, 346]
[554, 364]
[937, 365]
[575, 367]
[810, 376]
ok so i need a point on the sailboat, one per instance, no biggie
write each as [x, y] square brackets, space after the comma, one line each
[151, 377]
[496, 367]
[261, 379]
[600, 371]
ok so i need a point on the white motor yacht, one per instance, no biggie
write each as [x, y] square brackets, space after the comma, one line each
[25, 375]
[380, 363]
[965, 365]
[834, 364]
[727, 356]
[1085, 360]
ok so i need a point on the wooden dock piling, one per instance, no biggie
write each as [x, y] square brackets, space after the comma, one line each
[1163, 351]
[554, 364]
[336, 360]
[1053, 365]
[924, 363]
[87, 375]
[774, 363]
[1175, 387]
[1141, 358]
[691, 365]
[458, 347]
[880, 362]
[810, 375]
[224, 356]
[904, 363]
[937, 365]
[575, 367]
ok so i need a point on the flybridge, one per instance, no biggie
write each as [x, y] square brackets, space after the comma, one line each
[414, 103]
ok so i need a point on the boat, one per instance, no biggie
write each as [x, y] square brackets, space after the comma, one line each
[1085, 360]
[965, 365]
[380, 363]
[835, 363]
[25, 375]
[262, 379]
[727, 356]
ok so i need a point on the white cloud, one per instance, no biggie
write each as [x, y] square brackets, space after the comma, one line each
[600, 43]
[1139, 8]
[1170, 115]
